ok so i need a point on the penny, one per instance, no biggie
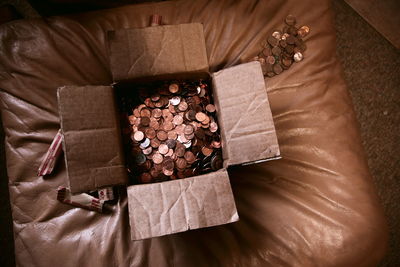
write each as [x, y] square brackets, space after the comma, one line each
[155, 143]
[216, 144]
[187, 144]
[261, 60]
[210, 108]
[282, 43]
[154, 124]
[287, 62]
[171, 143]
[292, 31]
[136, 112]
[157, 158]
[188, 129]
[199, 133]
[277, 69]
[189, 157]
[290, 20]
[148, 102]
[173, 88]
[163, 149]
[145, 121]
[168, 163]
[303, 31]
[154, 173]
[206, 151]
[150, 133]
[213, 127]
[267, 51]
[179, 129]
[181, 163]
[178, 119]
[168, 126]
[298, 57]
[264, 43]
[200, 116]
[145, 177]
[168, 172]
[181, 138]
[162, 135]
[180, 150]
[189, 136]
[289, 49]
[182, 106]
[206, 121]
[270, 74]
[156, 113]
[170, 153]
[271, 60]
[145, 112]
[138, 136]
[155, 97]
[276, 51]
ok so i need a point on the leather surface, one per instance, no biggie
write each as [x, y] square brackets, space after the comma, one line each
[315, 207]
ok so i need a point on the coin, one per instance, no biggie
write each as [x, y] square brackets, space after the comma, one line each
[147, 151]
[173, 88]
[145, 177]
[140, 159]
[277, 34]
[277, 69]
[271, 60]
[162, 135]
[163, 149]
[145, 143]
[178, 119]
[267, 51]
[290, 39]
[216, 162]
[144, 112]
[138, 136]
[213, 127]
[156, 113]
[168, 126]
[167, 172]
[272, 41]
[188, 129]
[216, 144]
[276, 51]
[189, 157]
[182, 106]
[180, 150]
[200, 116]
[210, 108]
[145, 121]
[171, 143]
[290, 20]
[157, 158]
[155, 143]
[303, 31]
[175, 100]
[181, 163]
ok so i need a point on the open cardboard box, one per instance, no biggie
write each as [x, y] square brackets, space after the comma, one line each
[167, 52]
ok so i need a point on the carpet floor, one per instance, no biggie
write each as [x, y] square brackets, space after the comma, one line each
[371, 68]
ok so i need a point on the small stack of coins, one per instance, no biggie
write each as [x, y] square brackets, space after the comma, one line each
[174, 132]
[282, 48]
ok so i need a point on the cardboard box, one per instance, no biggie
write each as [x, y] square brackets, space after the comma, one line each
[244, 118]
[92, 137]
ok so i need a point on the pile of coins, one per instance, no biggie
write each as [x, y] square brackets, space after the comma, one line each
[282, 48]
[173, 132]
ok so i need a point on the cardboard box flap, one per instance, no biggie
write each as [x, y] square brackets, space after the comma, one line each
[244, 115]
[159, 50]
[175, 206]
[92, 139]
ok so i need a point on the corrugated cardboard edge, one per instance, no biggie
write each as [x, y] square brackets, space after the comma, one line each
[100, 176]
[153, 51]
[244, 115]
[175, 206]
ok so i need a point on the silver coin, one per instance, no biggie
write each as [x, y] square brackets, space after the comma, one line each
[145, 143]
[175, 100]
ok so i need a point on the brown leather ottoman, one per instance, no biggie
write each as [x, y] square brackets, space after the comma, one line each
[315, 207]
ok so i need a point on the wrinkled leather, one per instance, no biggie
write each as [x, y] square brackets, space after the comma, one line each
[315, 207]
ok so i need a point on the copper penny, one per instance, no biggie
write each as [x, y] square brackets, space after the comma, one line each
[180, 150]
[148, 102]
[136, 113]
[173, 88]
[145, 121]
[156, 113]
[145, 177]
[277, 69]
[168, 163]
[181, 138]
[168, 126]
[200, 116]
[277, 34]
[216, 144]
[154, 173]
[145, 112]
[276, 51]
[177, 120]
[138, 136]
[171, 109]
[199, 133]
[171, 143]
[162, 135]
[267, 51]
[172, 134]
[189, 136]
[150, 133]
[181, 163]
[272, 41]
[206, 151]
[163, 149]
[155, 97]
[290, 39]
[189, 157]
[188, 129]
[290, 20]
[157, 158]
[271, 60]
[154, 124]
[179, 129]
[182, 106]
[210, 108]
[170, 153]
[167, 172]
